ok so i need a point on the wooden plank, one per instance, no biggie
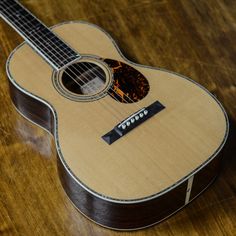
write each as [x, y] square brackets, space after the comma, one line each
[194, 38]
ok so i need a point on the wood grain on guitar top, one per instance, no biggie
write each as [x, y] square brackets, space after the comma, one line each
[175, 135]
[28, 172]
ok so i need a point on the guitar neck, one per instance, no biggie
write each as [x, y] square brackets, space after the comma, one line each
[53, 49]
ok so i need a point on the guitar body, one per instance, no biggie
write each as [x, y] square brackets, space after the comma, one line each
[144, 176]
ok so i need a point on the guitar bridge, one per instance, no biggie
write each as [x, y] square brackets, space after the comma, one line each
[132, 122]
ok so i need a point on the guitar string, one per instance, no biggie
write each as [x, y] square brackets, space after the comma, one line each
[80, 71]
[51, 46]
[77, 70]
[119, 118]
[82, 64]
[142, 150]
[130, 99]
[138, 147]
[98, 72]
[85, 66]
[78, 82]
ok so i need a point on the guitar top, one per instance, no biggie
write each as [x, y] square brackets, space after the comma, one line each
[135, 143]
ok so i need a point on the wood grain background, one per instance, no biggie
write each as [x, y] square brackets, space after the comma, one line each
[193, 38]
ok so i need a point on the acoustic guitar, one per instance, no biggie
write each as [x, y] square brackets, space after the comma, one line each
[135, 144]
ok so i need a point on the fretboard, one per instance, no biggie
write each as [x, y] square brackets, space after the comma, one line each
[53, 49]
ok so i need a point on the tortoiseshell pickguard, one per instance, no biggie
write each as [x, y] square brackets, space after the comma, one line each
[129, 84]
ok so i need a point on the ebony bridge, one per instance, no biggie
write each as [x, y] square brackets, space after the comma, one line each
[132, 122]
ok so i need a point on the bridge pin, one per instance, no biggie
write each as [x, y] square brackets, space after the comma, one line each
[123, 126]
[137, 117]
[128, 123]
[145, 112]
[132, 120]
[141, 115]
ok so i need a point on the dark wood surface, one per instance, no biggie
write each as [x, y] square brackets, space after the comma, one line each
[194, 38]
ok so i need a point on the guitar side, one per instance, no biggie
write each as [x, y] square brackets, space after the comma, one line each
[112, 213]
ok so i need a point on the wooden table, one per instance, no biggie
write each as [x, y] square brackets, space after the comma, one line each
[193, 38]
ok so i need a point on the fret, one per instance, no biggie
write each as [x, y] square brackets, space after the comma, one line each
[19, 17]
[26, 26]
[41, 38]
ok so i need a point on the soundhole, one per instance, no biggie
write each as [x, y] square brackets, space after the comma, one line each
[92, 79]
[84, 78]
